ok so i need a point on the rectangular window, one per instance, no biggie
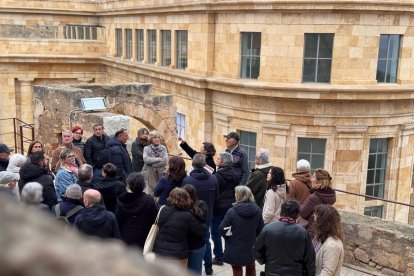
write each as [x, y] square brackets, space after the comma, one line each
[81, 32]
[312, 150]
[73, 32]
[152, 46]
[317, 58]
[66, 34]
[374, 211]
[166, 48]
[248, 144]
[180, 121]
[250, 55]
[128, 43]
[182, 41]
[139, 34]
[88, 33]
[388, 53]
[377, 166]
[94, 33]
[118, 41]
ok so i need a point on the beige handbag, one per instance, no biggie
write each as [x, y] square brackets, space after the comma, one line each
[149, 242]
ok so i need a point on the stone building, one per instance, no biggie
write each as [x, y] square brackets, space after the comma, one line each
[329, 81]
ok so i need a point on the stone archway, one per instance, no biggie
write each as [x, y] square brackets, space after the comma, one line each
[56, 105]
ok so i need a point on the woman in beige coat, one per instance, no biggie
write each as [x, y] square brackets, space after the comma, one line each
[275, 195]
[328, 244]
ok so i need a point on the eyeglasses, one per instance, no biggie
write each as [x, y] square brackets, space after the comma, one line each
[80, 133]
[70, 156]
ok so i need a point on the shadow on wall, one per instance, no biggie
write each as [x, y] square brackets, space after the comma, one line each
[35, 244]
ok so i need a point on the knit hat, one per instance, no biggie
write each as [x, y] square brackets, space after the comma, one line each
[7, 177]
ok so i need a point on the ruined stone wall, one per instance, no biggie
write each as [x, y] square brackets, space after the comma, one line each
[379, 246]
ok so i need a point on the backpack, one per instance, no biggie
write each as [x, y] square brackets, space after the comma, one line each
[65, 219]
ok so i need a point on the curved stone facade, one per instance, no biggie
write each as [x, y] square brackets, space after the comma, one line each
[278, 108]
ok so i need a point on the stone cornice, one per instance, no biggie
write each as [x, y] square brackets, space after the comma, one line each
[117, 8]
[378, 92]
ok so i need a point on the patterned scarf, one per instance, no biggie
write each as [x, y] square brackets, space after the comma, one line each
[157, 150]
[287, 219]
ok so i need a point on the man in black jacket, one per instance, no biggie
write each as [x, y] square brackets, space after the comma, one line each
[36, 171]
[118, 154]
[95, 220]
[284, 246]
[4, 156]
[240, 158]
[227, 180]
[96, 151]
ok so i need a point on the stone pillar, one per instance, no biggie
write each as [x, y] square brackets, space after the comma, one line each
[26, 100]
[145, 60]
[173, 64]
[159, 48]
[134, 45]
[275, 139]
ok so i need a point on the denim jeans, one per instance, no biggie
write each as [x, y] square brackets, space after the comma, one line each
[195, 260]
[96, 176]
[216, 237]
[207, 253]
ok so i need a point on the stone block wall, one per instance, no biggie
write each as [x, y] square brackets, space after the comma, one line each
[377, 245]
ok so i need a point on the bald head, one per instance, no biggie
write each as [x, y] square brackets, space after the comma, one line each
[91, 198]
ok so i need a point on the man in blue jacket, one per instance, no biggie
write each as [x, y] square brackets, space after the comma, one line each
[240, 158]
[208, 191]
[118, 154]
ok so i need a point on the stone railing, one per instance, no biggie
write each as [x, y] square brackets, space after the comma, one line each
[379, 246]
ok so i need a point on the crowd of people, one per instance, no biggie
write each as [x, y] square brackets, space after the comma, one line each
[96, 187]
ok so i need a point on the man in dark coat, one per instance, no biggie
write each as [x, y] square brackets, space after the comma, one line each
[258, 177]
[110, 187]
[36, 171]
[284, 246]
[240, 159]
[85, 176]
[208, 191]
[4, 156]
[96, 151]
[71, 202]
[95, 220]
[227, 180]
[118, 154]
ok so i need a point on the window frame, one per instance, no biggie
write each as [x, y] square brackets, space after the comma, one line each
[165, 47]
[152, 46]
[389, 60]
[180, 123]
[181, 49]
[246, 59]
[128, 43]
[249, 147]
[311, 153]
[139, 44]
[118, 42]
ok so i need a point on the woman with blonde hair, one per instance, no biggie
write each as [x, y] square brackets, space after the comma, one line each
[328, 244]
[239, 228]
[321, 193]
[155, 158]
[66, 174]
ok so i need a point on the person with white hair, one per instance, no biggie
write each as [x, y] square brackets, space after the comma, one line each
[300, 186]
[32, 196]
[67, 143]
[257, 180]
[9, 180]
[155, 158]
[71, 206]
[16, 161]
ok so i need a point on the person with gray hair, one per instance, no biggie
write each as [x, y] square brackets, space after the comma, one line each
[85, 177]
[71, 206]
[67, 143]
[227, 180]
[208, 191]
[32, 195]
[155, 158]
[8, 180]
[240, 227]
[257, 180]
[16, 161]
[300, 186]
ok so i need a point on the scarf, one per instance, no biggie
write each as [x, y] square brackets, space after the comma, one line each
[287, 219]
[157, 150]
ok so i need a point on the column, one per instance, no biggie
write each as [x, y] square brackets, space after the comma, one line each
[26, 100]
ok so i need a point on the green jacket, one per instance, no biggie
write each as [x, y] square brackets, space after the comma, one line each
[257, 183]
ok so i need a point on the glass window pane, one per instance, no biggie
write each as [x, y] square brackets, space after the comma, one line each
[381, 70]
[394, 45]
[318, 145]
[383, 47]
[244, 139]
[304, 145]
[255, 67]
[369, 190]
[325, 45]
[392, 71]
[370, 176]
[309, 70]
[371, 161]
[250, 55]
[324, 70]
[317, 161]
[311, 45]
[304, 156]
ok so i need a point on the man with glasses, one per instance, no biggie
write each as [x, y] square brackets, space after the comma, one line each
[67, 139]
[96, 151]
[240, 161]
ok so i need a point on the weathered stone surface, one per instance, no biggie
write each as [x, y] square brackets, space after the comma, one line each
[34, 244]
[361, 255]
[23, 31]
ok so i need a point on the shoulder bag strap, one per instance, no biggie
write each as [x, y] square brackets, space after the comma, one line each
[73, 211]
[158, 215]
[57, 210]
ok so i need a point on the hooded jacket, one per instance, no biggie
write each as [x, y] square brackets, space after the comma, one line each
[227, 180]
[97, 221]
[118, 155]
[316, 197]
[206, 186]
[258, 182]
[135, 213]
[285, 249]
[300, 186]
[34, 173]
[246, 222]
[110, 188]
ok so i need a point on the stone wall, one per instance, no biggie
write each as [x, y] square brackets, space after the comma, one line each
[379, 246]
